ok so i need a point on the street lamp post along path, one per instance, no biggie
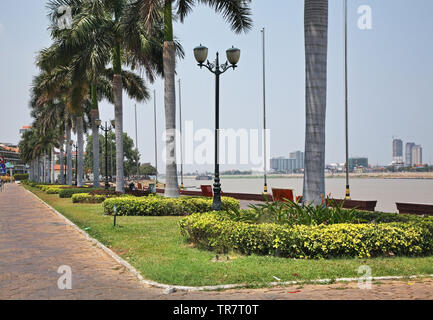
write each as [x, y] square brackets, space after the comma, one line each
[71, 143]
[233, 55]
[105, 129]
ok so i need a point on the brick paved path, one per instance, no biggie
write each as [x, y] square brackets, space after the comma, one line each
[35, 242]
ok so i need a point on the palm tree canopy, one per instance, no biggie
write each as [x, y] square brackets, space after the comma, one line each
[236, 12]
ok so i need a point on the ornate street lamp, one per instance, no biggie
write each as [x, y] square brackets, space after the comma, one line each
[71, 143]
[105, 130]
[233, 55]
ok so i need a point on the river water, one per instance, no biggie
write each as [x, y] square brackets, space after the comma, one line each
[386, 191]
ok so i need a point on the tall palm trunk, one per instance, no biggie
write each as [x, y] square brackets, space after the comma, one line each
[46, 168]
[53, 162]
[316, 47]
[80, 145]
[95, 137]
[38, 167]
[31, 171]
[68, 155]
[62, 160]
[169, 60]
[118, 115]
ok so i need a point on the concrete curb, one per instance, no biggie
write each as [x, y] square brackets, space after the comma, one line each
[173, 288]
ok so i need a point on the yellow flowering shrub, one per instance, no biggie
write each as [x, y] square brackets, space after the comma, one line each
[216, 231]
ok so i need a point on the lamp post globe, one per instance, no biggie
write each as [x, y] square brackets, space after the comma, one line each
[233, 55]
[200, 54]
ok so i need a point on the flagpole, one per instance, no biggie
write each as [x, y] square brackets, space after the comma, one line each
[346, 95]
[156, 145]
[265, 187]
[180, 129]
[136, 140]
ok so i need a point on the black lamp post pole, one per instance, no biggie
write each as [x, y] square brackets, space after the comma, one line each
[216, 205]
[217, 69]
[76, 165]
[106, 130]
[107, 185]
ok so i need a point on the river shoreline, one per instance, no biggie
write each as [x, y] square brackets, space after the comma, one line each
[388, 175]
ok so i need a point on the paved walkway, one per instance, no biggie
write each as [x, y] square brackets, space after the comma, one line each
[35, 242]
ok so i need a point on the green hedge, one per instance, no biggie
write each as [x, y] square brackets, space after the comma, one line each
[67, 193]
[97, 198]
[160, 206]
[54, 189]
[218, 232]
[21, 176]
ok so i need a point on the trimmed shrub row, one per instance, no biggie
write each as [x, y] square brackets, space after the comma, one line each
[67, 193]
[215, 231]
[94, 198]
[21, 176]
[160, 206]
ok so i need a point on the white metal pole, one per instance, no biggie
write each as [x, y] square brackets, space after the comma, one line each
[346, 95]
[180, 129]
[136, 140]
[265, 187]
[156, 144]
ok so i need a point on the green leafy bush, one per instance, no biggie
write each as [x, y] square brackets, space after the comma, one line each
[54, 189]
[21, 176]
[300, 241]
[95, 198]
[67, 193]
[219, 232]
[160, 206]
[292, 213]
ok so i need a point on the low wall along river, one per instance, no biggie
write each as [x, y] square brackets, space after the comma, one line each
[386, 191]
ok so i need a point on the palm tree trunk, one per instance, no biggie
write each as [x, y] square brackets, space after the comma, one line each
[53, 162]
[316, 47]
[169, 60]
[95, 137]
[46, 168]
[62, 161]
[80, 144]
[31, 171]
[38, 166]
[118, 115]
[68, 155]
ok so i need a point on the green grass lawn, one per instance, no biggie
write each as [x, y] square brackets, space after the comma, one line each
[155, 247]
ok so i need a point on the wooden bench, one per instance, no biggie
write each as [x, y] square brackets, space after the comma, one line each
[414, 208]
[282, 194]
[354, 204]
[206, 190]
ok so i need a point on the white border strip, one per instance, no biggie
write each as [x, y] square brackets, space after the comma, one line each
[173, 288]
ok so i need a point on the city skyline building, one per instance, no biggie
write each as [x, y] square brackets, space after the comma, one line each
[408, 153]
[417, 155]
[397, 151]
[294, 163]
[357, 163]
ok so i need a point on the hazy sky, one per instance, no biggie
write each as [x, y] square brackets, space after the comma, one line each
[390, 76]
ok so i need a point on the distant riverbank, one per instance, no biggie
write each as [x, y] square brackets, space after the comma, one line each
[385, 190]
[374, 175]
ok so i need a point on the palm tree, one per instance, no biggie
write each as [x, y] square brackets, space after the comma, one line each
[49, 108]
[51, 116]
[316, 47]
[236, 12]
[100, 25]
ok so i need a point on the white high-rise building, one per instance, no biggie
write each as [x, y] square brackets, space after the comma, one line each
[417, 155]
